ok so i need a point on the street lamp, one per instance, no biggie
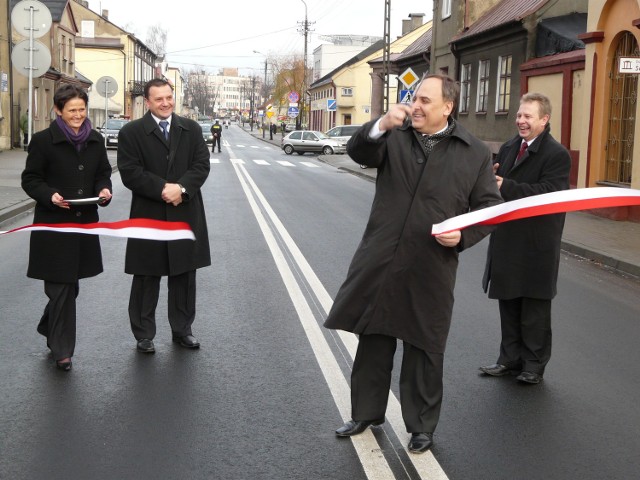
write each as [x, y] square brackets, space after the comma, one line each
[264, 89]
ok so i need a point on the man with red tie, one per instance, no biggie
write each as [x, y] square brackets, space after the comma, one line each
[524, 255]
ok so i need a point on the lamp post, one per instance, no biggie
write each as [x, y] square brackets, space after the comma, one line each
[264, 88]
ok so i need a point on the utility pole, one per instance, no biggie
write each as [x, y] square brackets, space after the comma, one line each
[386, 53]
[264, 92]
[303, 94]
[253, 89]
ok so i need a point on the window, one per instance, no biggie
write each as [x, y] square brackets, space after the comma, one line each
[504, 84]
[483, 86]
[465, 87]
[446, 9]
[347, 92]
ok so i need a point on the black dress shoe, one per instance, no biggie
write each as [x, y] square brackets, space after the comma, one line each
[145, 346]
[420, 442]
[354, 428]
[64, 366]
[187, 341]
[529, 377]
[495, 370]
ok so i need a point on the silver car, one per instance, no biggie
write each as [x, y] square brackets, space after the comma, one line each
[301, 141]
[343, 133]
[111, 129]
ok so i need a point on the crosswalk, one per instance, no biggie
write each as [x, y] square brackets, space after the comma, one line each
[282, 163]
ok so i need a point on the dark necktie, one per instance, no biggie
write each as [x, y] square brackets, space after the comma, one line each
[163, 126]
[523, 148]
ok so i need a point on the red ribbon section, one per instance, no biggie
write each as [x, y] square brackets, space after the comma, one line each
[142, 228]
[545, 204]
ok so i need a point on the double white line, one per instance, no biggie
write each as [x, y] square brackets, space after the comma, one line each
[369, 452]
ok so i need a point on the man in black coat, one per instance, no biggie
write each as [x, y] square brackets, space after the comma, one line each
[524, 255]
[216, 131]
[401, 279]
[164, 160]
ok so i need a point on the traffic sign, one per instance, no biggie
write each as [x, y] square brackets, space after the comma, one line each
[332, 105]
[293, 96]
[406, 96]
[408, 78]
[293, 112]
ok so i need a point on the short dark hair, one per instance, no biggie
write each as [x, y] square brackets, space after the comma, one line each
[66, 92]
[450, 88]
[155, 82]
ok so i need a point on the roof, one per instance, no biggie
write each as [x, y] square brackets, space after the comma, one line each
[98, 42]
[560, 34]
[420, 46]
[361, 56]
[56, 7]
[503, 13]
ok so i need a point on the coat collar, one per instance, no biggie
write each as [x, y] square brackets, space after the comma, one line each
[459, 132]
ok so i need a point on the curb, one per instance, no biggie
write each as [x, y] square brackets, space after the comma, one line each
[601, 258]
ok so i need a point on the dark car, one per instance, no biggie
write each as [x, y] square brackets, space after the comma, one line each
[111, 129]
[206, 133]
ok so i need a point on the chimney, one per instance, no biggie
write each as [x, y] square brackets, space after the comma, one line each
[105, 14]
[406, 26]
[416, 20]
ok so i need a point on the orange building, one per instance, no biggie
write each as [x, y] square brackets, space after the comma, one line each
[609, 153]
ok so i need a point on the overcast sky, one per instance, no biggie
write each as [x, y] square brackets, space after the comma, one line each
[224, 33]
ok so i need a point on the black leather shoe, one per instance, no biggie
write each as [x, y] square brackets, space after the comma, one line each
[354, 428]
[64, 366]
[145, 346]
[420, 442]
[495, 370]
[187, 341]
[529, 377]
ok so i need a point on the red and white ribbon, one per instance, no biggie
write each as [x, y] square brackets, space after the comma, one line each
[547, 203]
[143, 228]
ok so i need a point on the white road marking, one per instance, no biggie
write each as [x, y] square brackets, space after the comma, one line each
[309, 164]
[425, 464]
[214, 160]
[262, 162]
[237, 161]
[284, 163]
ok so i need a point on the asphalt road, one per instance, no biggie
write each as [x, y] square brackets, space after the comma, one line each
[263, 395]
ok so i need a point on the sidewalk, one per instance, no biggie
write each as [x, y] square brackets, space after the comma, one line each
[611, 243]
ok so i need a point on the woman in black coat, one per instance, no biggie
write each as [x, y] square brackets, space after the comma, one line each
[67, 161]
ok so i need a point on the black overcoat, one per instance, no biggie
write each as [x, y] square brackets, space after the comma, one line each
[400, 281]
[147, 162]
[524, 255]
[54, 165]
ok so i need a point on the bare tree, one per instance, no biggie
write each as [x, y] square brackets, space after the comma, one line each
[201, 93]
[157, 39]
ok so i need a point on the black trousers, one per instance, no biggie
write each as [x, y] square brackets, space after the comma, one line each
[420, 382]
[143, 300]
[58, 321]
[216, 141]
[526, 334]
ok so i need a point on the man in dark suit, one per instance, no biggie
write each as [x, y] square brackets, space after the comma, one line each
[216, 131]
[524, 255]
[164, 161]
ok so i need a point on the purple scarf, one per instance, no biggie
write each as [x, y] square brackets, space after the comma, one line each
[77, 139]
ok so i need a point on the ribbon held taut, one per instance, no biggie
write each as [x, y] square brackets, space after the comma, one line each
[142, 228]
[544, 204]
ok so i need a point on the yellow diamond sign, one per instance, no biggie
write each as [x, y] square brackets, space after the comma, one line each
[408, 77]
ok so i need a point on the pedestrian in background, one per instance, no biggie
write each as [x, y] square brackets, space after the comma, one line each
[216, 131]
[524, 255]
[66, 161]
[401, 279]
[24, 128]
[164, 161]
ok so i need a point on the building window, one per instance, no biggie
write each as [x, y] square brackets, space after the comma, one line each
[465, 87]
[347, 92]
[446, 9]
[483, 86]
[503, 94]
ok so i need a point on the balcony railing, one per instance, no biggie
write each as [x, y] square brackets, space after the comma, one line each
[136, 88]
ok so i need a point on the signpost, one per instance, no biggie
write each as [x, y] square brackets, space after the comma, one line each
[406, 96]
[293, 112]
[293, 97]
[332, 105]
[408, 78]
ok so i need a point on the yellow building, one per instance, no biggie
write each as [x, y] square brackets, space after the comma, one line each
[610, 100]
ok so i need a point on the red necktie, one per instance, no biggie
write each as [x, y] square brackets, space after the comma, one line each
[523, 148]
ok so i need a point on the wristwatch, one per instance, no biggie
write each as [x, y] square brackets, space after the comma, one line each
[183, 191]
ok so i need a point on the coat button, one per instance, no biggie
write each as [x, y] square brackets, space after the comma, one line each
[78, 214]
[80, 167]
[420, 160]
[80, 192]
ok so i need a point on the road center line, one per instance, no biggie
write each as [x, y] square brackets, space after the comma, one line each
[366, 446]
